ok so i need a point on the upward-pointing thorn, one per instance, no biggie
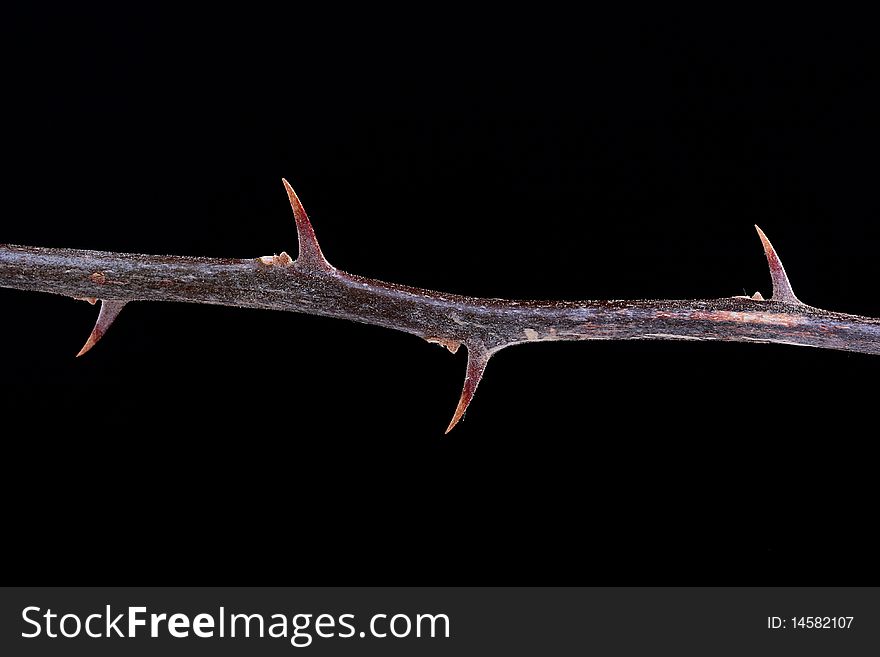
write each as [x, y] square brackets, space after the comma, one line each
[478, 357]
[781, 287]
[106, 316]
[310, 256]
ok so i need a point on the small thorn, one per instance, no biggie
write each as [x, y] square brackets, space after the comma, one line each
[781, 286]
[478, 357]
[451, 345]
[106, 316]
[310, 256]
[757, 296]
[280, 260]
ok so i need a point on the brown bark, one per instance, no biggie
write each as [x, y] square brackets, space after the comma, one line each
[311, 285]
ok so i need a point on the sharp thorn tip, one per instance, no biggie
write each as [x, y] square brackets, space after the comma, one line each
[478, 357]
[782, 290]
[310, 255]
[106, 316]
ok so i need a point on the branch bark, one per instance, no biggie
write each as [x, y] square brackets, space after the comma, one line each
[311, 285]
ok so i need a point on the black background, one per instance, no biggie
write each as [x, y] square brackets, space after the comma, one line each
[531, 155]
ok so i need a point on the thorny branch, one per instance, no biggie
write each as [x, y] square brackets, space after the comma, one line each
[310, 284]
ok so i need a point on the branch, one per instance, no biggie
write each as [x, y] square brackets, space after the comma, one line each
[311, 285]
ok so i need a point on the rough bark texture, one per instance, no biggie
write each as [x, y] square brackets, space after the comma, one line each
[311, 285]
[445, 318]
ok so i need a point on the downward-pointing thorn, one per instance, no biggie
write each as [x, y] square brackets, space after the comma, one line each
[781, 286]
[478, 357]
[106, 316]
[310, 256]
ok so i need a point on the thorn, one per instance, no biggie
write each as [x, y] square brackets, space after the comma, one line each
[781, 287]
[310, 256]
[478, 357]
[757, 296]
[109, 312]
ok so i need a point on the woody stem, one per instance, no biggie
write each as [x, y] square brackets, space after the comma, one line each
[449, 319]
